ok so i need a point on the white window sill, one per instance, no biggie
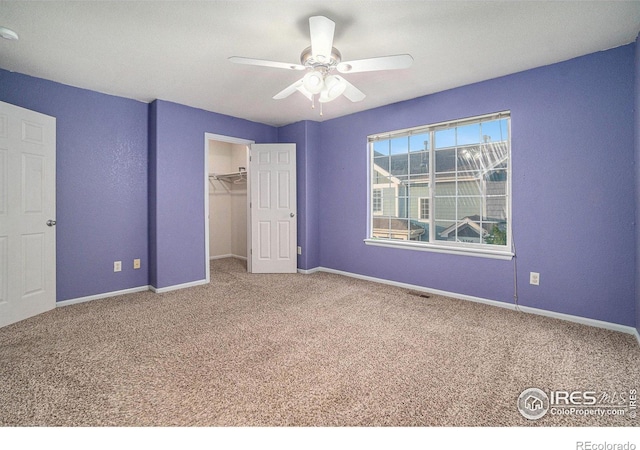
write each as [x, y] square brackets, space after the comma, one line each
[440, 248]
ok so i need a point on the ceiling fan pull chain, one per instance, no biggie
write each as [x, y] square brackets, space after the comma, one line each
[320, 108]
[313, 101]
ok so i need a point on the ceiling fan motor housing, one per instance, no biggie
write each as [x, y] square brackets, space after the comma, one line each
[324, 64]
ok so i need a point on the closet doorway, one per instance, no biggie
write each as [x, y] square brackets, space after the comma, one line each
[226, 201]
[239, 174]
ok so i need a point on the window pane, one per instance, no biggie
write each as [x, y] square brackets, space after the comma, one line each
[469, 208]
[496, 208]
[380, 170]
[497, 234]
[445, 138]
[399, 164]
[445, 230]
[446, 188]
[470, 158]
[492, 131]
[380, 227]
[445, 208]
[419, 164]
[399, 145]
[403, 207]
[419, 142]
[469, 231]
[381, 148]
[389, 201]
[446, 161]
[470, 186]
[468, 134]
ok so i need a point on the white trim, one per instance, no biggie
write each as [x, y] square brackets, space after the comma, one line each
[175, 287]
[310, 271]
[450, 249]
[207, 192]
[526, 309]
[229, 255]
[228, 139]
[89, 298]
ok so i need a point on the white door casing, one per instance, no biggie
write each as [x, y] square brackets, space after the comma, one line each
[27, 203]
[272, 173]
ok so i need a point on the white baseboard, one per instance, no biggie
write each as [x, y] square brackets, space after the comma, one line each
[177, 286]
[230, 255]
[88, 298]
[511, 306]
[310, 271]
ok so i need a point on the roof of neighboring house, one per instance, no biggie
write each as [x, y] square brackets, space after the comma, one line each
[481, 158]
[393, 223]
[472, 222]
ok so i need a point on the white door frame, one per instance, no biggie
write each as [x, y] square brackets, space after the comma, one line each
[230, 140]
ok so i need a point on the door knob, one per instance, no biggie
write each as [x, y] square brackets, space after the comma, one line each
[291, 215]
[51, 222]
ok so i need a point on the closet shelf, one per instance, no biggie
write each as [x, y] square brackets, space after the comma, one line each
[234, 177]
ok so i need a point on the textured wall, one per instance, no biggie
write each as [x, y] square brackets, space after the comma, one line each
[101, 183]
[306, 136]
[573, 189]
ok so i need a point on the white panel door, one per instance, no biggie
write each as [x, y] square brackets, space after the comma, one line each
[27, 213]
[272, 185]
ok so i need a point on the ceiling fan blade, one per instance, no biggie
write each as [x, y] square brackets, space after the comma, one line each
[265, 63]
[321, 30]
[351, 92]
[290, 90]
[371, 64]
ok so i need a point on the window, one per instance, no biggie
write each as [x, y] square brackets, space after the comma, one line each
[376, 201]
[424, 208]
[443, 187]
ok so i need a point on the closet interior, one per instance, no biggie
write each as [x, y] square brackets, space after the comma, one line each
[227, 200]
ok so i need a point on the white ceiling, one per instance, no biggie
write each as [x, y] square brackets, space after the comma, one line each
[177, 50]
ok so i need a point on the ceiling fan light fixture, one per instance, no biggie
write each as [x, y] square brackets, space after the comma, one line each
[313, 82]
[8, 34]
[334, 87]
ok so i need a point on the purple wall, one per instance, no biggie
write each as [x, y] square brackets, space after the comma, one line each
[306, 136]
[176, 192]
[573, 189]
[101, 183]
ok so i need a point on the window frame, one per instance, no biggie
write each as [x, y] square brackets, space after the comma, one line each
[435, 245]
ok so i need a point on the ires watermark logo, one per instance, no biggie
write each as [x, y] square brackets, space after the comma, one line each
[534, 403]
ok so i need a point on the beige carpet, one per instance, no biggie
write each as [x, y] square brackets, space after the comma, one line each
[299, 350]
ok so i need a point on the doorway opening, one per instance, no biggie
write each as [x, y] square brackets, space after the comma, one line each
[226, 199]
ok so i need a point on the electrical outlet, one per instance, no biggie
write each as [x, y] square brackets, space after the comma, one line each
[136, 263]
[117, 266]
[299, 250]
[534, 278]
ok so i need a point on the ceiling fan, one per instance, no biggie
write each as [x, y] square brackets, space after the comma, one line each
[320, 60]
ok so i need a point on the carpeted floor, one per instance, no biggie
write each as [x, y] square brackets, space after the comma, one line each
[300, 350]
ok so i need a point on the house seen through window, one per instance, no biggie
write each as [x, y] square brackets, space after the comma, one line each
[444, 184]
